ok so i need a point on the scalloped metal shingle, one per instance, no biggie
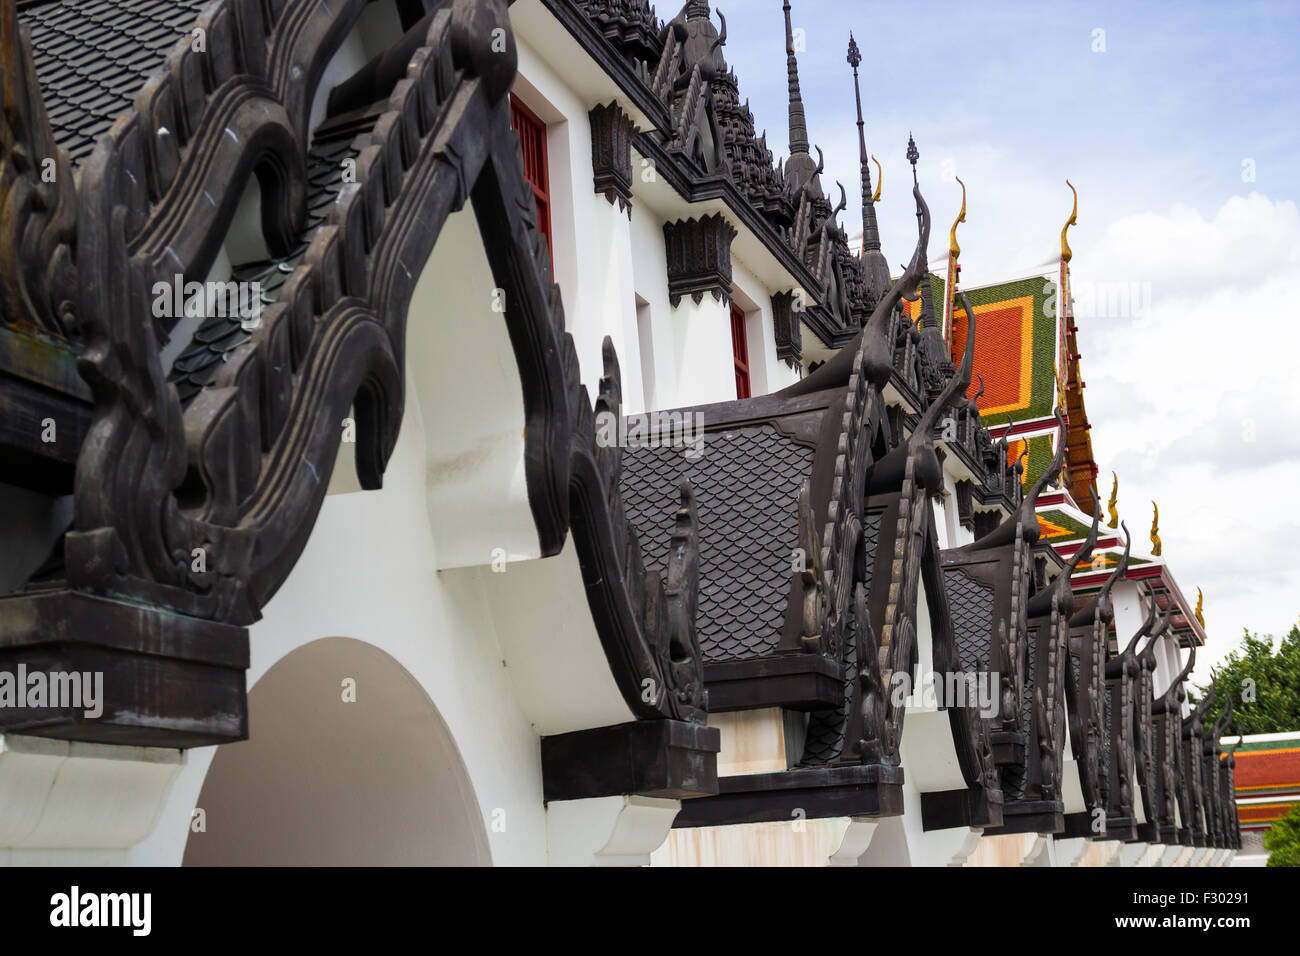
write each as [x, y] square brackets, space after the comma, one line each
[747, 491]
[93, 56]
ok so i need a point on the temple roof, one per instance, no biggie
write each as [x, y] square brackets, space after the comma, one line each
[93, 56]
[219, 335]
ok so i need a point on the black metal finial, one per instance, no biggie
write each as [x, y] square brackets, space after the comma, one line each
[913, 154]
[876, 267]
[798, 124]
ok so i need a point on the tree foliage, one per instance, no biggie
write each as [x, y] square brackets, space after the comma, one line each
[1283, 840]
[1264, 682]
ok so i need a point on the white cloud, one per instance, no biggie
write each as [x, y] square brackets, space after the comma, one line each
[1195, 400]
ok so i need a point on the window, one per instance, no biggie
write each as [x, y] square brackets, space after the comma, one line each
[740, 351]
[532, 137]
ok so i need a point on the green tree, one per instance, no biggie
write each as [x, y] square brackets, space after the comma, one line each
[1283, 840]
[1269, 675]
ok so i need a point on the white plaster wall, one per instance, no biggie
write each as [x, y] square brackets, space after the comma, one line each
[473, 411]
[650, 279]
[767, 373]
[1129, 612]
[702, 354]
[593, 248]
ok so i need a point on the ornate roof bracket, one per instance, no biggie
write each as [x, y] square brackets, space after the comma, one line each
[699, 258]
[787, 329]
[611, 154]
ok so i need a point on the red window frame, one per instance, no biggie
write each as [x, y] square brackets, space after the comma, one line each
[532, 140]
[740, 351]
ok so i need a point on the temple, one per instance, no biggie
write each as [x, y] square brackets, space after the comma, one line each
[449, 418]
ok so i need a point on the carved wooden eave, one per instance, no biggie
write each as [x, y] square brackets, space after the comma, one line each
[1196, 776]
[1216, 830]
[1228, 799]
[1170, 798]
[1128, 776]
[1033, 642]
[239, 472]
[1085, 692]
[39, 339]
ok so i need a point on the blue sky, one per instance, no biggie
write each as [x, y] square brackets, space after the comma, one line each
[1014, 97]
[1191, 391]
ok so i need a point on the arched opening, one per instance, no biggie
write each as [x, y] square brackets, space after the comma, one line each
[329, 777]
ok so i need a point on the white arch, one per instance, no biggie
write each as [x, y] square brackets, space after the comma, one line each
[351, 764]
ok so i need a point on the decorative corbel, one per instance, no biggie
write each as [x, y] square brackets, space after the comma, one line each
[786, 328]
[699, 258]
[611, 154]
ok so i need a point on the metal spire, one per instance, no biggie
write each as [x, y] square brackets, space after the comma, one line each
[798, 125]
[928, 319]
[875, 266]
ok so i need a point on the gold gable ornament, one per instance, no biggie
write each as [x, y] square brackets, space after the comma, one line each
[1066, 254]
[1155, 531]
[1114, 499]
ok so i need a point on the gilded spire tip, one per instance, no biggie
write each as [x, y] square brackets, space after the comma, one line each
[1066, 254]
[953, 249]
[1155, 530]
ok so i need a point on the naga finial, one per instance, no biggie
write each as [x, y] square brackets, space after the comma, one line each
[1066, 254]
[1200, 605]
[1155, 530]
[1114, 499]
[953, 249]
[879, 179]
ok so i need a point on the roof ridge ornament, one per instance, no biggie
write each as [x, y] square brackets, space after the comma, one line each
[1066, 254]
[953, 249]
[1155, 531]
[954, 270]
[1200, 604]
[880, 180]
[1114, 500]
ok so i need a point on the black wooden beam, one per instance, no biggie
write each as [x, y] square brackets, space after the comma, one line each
[167, 680]
[871, 790]
[795, 681]
[653, 758]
